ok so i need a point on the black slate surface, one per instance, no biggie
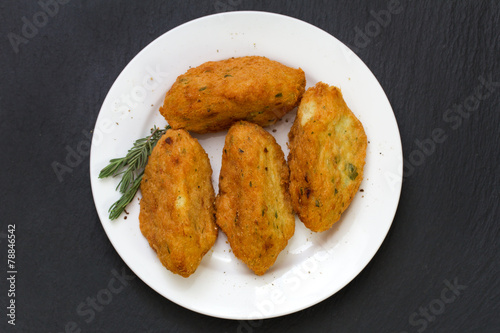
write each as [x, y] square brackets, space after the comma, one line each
[431, 58]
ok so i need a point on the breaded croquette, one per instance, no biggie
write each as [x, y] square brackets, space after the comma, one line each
[212, 96]
[177, 214]
[327, 157]
[253, 206]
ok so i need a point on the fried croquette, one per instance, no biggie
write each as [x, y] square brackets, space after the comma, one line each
[212, 96]
[177, 214]
[253, 206]
[327, 156]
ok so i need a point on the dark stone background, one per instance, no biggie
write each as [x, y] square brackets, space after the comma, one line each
[429, 59]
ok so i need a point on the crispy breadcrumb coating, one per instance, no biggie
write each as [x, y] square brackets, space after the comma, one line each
[177, 214]
[253, 206]
[327, 156]
[212, 96]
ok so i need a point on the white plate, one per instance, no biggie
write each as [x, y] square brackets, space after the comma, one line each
[314, 266]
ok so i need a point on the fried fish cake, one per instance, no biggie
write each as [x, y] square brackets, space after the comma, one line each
[212, 96]
[253, 206]
[327, 156]
[177, 214]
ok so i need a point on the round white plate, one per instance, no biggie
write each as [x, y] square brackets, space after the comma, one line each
[313, 266]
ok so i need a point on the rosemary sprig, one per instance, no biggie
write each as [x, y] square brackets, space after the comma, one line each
[131, 167]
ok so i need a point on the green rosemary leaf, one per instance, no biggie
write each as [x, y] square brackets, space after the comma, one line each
[119, 206]
[114, 165]
[127, 179]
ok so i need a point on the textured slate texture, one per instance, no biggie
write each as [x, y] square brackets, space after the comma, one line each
[429, 58]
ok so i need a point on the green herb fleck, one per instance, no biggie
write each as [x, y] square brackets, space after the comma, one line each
[278, 95]
[352, 171]
[202, 88]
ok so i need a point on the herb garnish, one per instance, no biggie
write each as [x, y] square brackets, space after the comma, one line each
[131, 167]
